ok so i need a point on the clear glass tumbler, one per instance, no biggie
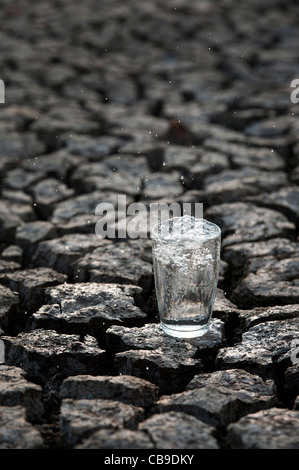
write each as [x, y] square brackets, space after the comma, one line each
[186, 258]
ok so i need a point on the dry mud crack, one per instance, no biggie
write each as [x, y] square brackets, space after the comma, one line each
[159, 102]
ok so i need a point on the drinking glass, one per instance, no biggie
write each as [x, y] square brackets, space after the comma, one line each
[186, 259]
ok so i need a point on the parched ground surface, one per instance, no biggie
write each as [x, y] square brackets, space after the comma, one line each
[159, 101]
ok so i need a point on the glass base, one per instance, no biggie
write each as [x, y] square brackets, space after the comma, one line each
[185, 331]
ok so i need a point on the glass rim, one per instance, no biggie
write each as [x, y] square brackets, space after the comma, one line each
[157, 236]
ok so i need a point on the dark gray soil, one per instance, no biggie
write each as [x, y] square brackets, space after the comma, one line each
[160, 101]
